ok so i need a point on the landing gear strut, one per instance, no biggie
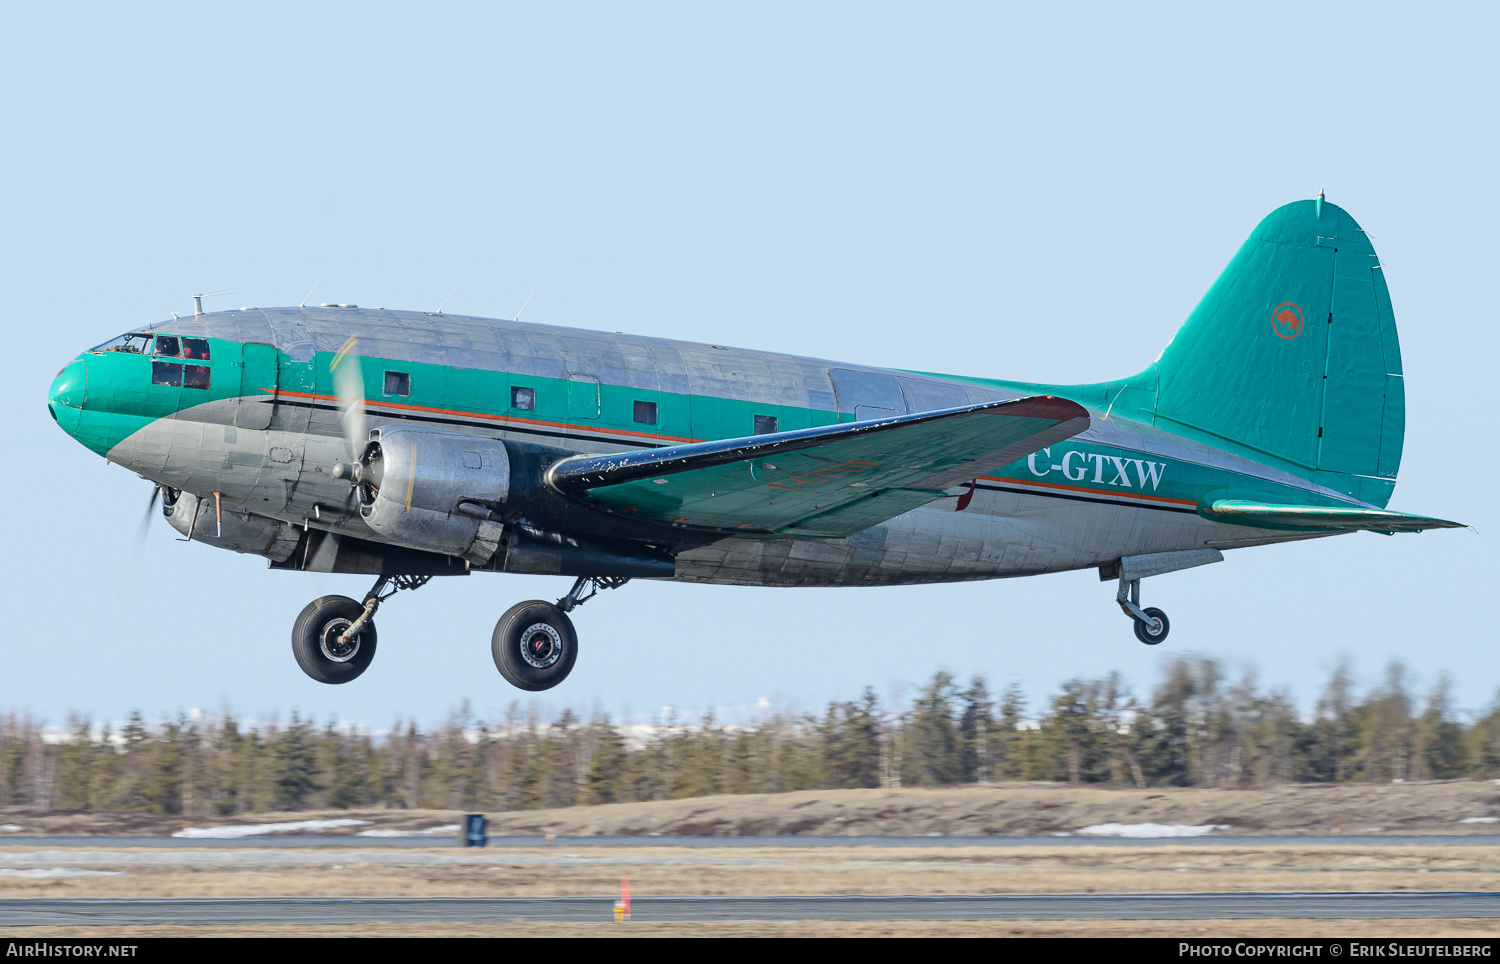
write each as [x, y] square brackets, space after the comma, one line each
[334, 637]
[1151, 624]
[534, 643]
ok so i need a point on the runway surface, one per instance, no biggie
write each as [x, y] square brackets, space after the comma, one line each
[338, 910]
[345, 840]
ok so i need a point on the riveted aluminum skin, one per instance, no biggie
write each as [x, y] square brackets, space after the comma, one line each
[425, 475]
[232, 528]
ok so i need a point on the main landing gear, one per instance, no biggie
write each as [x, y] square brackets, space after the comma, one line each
[1151, 624]
[334, 637]
[534, 643]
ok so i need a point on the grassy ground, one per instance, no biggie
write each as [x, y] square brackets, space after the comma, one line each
[575, 869]
[997, 809]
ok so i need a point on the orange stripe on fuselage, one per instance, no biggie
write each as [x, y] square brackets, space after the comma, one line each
[673, 438]
[1078, 488]
[493, 418]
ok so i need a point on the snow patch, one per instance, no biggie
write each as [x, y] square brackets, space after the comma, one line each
[256, 829]
[1151, 830]
[446, 828]
[9, 827]
[1480, 820]
[60, 872]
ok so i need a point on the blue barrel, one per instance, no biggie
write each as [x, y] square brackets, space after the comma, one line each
[474, 830]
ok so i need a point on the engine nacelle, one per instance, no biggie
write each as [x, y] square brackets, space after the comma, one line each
[435, 490]
[199, 520]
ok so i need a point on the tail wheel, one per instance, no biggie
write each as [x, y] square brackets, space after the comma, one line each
[534, 645]
[317, 642]
[1143, 630]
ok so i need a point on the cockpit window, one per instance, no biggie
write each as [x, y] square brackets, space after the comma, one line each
[195, 348]
[169, 346]
[136, 343]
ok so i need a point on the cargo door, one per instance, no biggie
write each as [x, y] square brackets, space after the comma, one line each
[257, 396]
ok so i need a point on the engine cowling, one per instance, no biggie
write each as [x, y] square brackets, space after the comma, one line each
[435, 490]
[229, 528]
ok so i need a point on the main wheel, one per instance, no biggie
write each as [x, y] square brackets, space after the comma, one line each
[315, 640]
[1143, 631]
[534, 645]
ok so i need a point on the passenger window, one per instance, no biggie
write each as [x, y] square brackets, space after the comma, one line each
[166, 373]
[194, 376]
[645, 413]
[765, 425]
[135, 343]
[397, 383]
[195, 348]
[168, 346]
[523, 399]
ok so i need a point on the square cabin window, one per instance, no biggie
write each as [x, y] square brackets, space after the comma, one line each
[645, 413]
[523, 399]
[765, 425]
[166, 373]
[397, 383]
[195, 348]
[194, 376]
[168, 345]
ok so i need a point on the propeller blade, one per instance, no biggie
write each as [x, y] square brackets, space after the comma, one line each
[131, 564]
[349, 384]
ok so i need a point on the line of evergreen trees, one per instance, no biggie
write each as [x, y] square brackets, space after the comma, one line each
[1196, 729]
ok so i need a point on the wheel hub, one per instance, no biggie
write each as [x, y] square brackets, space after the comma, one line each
[332, 644]
[541, 645]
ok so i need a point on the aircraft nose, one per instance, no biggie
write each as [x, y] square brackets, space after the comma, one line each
[66, 396]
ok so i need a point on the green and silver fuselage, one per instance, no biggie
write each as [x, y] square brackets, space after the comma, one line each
[262, 429]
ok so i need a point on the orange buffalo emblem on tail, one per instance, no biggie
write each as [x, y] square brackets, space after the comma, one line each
[1286, 320]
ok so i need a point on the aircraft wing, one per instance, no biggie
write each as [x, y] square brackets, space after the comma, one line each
[830, 481]
[1318, 518]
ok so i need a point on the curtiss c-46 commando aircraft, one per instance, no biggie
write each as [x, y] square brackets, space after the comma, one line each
[407, 445]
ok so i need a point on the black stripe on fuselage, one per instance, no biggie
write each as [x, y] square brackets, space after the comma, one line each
[640, 443]
[481, 423]
[1085, 498]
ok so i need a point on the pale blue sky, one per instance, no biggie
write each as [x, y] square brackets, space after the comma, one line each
[1026, 191]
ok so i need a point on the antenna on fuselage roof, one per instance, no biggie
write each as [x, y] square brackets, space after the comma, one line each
[448, 299]
[303, 302]
[523, 306]
[198, 299]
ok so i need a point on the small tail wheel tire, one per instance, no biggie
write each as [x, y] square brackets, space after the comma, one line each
[316, 643]
[1143, 630]
[534, 645]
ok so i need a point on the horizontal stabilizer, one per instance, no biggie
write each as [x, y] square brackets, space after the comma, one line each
[1319, 518]
[830, 481]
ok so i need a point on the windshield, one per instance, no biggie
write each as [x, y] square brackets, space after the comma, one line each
[136, 343]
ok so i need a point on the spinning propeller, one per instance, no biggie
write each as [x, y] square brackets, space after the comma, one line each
[349, 385]
[131, 564]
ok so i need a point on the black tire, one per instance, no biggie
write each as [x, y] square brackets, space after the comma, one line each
[534, 645]
[315, 640]
[1145, 635]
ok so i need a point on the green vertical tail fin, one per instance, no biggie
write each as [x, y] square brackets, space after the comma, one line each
[1293, 353]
